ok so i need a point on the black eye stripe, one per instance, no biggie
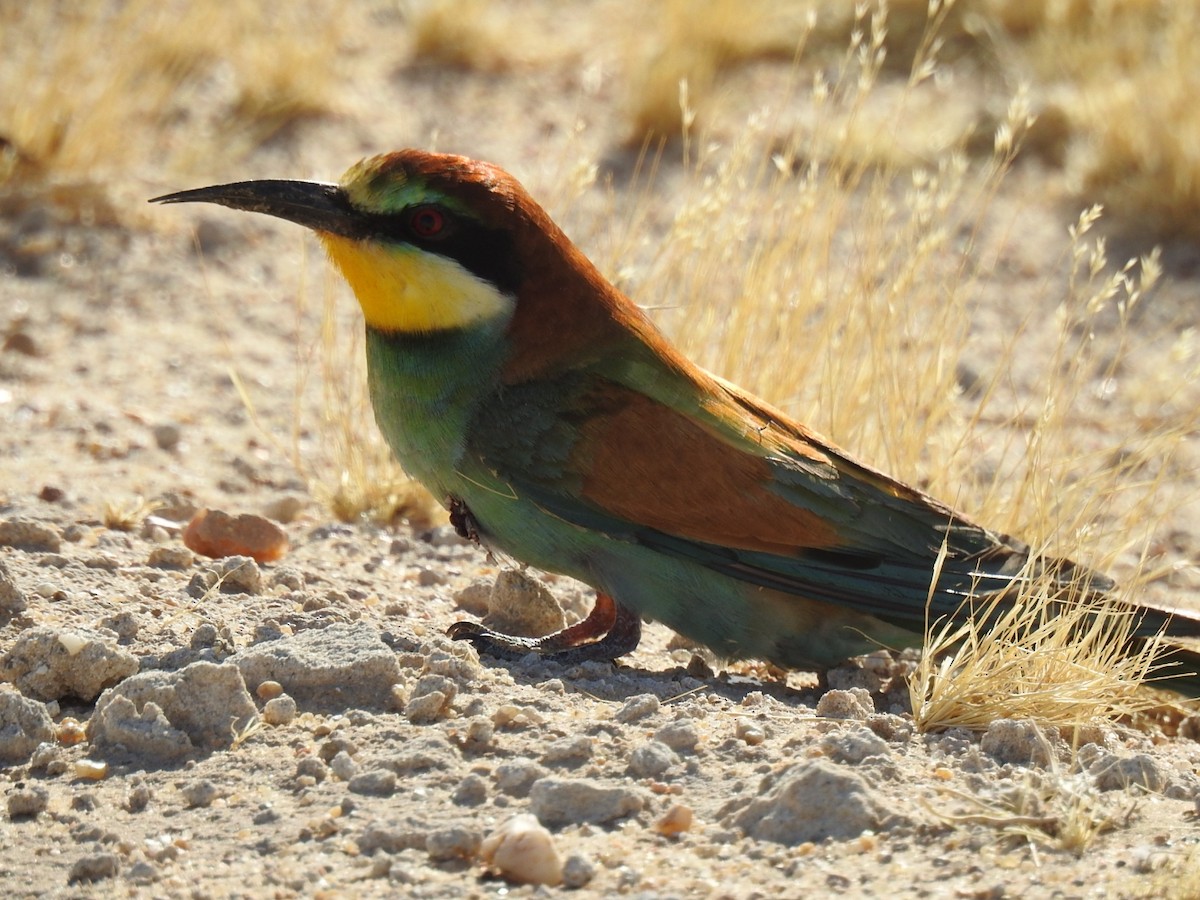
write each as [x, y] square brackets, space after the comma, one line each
[485, 252]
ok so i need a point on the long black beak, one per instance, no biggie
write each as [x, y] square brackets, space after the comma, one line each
[322, 207]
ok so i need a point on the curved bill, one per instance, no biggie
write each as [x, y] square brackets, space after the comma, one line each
[316, 205]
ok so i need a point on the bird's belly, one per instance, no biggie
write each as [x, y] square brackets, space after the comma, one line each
[734, 618]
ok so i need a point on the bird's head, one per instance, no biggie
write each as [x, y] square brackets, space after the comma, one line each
[432, 242]
[427, 241]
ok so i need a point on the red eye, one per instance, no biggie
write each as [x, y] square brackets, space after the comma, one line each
[426, 221]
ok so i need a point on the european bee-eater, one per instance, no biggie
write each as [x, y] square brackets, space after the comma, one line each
[561, 428]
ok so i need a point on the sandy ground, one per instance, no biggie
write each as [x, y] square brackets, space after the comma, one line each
[664, 776]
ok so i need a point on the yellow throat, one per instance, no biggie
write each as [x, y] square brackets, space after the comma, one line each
[404, 289]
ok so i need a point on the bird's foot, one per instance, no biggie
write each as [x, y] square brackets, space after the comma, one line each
[609, 631]
[462, 521]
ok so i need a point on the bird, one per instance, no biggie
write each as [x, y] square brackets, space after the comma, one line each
[562, 429]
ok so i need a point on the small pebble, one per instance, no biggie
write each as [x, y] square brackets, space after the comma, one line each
[268, 690]
[284, 508]
[138, 798]
[457, 842]
[200, 793]
[312, 767]
[651, 759]
[167, 435]
[279, 710]
[471, 791]
[95, 868]
[91, 770]
[343, 766]
[430, 577]
[675, 821]
[170, 557]
[638, 707]
[29, 801]
[522, 851]
[681, 736]
[749, 731]
[374, 783]
[577, 871]
[217, 534]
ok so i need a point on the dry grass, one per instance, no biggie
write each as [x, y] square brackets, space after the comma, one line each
[1056, 809]
[126, 515]
[1067, 665]
[1135, 108]
[100, 82]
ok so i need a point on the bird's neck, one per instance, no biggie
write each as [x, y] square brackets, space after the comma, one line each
[426, 388]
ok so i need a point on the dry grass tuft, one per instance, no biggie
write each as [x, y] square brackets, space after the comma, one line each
[126, 515]
[1056, 809]
[1064, 664]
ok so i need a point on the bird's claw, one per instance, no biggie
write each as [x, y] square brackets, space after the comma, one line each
[609, 631]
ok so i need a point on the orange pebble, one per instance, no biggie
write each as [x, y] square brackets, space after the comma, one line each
[218, 534]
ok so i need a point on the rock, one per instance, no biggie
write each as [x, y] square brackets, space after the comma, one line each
[29, 534]
[12, 598]
[339, 666]
[166, 716]
[1021, 741]
[520, 604]
[651, 759]
[167, 435]
[1113, 773]
[568, 801]
[51, 663]
[430, 699]
[578, 871]
[217, 534]
[471, 791]
[515, 778]
[457, 842]
[680, 736]
[637, 707]
[279, 710]
[475, 598]
[812, 801]
[569, 750]
[284, 508]
[28, 802]
[95, 867]
[854, 745]
[522, 851]
[374, 783]
[675, 821]
[170, 557]
[855, 703]
[25, 724]
[343, 766]
[201, 793]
